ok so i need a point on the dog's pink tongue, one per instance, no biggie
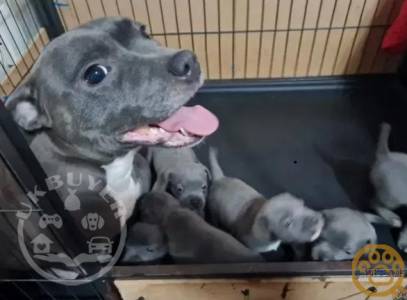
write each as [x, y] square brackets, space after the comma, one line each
[196, 120]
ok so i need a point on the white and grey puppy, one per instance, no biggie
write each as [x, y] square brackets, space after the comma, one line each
[345, 232]
[145, 243]
[389, 177]
[261, 224]
[180, 173]
[190, 238]
[402, 242]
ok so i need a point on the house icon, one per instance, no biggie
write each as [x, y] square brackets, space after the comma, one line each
[41, 244]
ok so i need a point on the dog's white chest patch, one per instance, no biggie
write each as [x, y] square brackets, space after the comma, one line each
[120, 184]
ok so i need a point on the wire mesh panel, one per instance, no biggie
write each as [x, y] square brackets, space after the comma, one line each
[237, 39]
[234, 39]
[21, 42]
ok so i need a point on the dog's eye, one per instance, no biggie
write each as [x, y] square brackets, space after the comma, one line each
[204, 187]
[95, 74]
[180, 188]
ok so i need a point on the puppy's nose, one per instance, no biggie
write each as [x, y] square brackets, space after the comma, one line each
[196, 203]
[184, 64]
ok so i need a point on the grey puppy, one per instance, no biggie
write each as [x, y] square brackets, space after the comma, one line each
[100, 90]
[389, 177]
[145, 243]
[259, 223]
[402, 242]
[345, 232]
[181, 174]
[190, 238]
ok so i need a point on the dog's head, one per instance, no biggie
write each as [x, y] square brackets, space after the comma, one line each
[286, 218]
[107, 86]
[189, 186]
[145, 243]
[345, 232]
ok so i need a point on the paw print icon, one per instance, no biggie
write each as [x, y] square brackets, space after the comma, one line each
[378, 270]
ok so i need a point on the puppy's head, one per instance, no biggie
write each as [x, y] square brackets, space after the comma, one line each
[154, 206]
[190, 186]
[107, 86]
[287, 218]
[344, 233]
[145, 243]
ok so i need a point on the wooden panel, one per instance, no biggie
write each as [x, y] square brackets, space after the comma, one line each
[255, 289]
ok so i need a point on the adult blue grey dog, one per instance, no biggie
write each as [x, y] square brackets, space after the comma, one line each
[96, 94]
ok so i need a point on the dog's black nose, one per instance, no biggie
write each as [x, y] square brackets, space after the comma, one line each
[184, 64]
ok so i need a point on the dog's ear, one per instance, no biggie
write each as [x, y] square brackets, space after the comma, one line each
[24, 105]
[375, 219]
[161, 184]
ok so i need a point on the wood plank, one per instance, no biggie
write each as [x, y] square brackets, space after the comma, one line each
[226, 58]
[253, 289]
[266, 54]
[213, 55]
[139, 11]
[252, 56]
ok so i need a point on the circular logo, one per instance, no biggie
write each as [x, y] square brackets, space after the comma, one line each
[99, 219]
[382, 265]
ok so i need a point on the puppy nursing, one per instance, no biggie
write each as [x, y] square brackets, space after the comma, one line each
[344, 233]
[181, 174]
[190, 238]
[261, 224]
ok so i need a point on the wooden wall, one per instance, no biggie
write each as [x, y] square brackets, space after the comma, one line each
[261, 38]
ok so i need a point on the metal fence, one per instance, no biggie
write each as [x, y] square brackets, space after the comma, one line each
[234, 39]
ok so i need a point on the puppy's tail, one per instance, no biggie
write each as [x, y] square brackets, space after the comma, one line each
[383, 144]
[216, 170]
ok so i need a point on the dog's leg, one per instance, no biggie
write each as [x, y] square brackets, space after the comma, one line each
[388, 215]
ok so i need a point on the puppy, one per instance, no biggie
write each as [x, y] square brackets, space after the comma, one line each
[145, 243]
[180, 173]
[344, 233]
[190, 238]
[389, 177]
[259, 223]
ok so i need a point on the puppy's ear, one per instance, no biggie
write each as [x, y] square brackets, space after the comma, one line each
[24, 105]
[161, 184]
[375, 219]
[208, 174]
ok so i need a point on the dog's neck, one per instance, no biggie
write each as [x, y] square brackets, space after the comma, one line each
[69, 151]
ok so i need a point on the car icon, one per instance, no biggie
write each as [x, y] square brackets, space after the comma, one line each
[100, 245]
